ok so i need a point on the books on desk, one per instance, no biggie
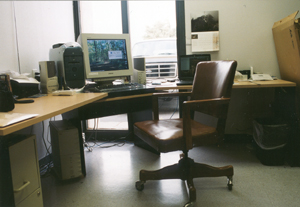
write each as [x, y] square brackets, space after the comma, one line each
[8, 118]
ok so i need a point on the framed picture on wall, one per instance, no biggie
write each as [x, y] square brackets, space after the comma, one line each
[205, 34]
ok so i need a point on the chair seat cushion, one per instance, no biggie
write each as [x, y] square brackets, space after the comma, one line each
[167, 135]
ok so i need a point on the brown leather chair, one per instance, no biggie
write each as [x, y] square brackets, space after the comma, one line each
[210, 95]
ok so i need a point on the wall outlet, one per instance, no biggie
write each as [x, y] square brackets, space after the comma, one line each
[33, 72]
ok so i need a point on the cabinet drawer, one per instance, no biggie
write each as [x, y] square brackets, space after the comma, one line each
[24, 168]
[35, 199]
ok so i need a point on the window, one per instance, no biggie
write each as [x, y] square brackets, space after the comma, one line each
[101, 17]
[153, 36]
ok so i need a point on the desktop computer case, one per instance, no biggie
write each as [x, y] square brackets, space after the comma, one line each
[139, 71]
[139, 77]
[65, 150]
[70, 66]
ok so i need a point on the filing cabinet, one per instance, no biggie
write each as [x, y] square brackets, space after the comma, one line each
[25, 173]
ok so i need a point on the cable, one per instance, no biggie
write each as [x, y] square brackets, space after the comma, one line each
[87, 141]
[119, 142]
[46, 168]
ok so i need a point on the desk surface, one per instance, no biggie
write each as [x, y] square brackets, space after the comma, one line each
[49, 106]
[237, 84]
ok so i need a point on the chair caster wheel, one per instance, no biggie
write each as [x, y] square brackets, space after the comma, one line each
[229, 183]
[139, 185]
[189, 204]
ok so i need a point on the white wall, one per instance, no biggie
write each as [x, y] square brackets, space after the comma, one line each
[245, 30]
[8, 57]
[30, 28]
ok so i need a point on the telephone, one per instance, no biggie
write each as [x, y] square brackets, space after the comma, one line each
[261, 77]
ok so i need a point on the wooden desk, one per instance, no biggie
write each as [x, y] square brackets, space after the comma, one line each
[237, 84]
[49, 106]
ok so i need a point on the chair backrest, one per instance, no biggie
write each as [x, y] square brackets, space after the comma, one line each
[213, 79]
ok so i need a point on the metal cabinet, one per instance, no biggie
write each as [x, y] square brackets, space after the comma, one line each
[25, 173]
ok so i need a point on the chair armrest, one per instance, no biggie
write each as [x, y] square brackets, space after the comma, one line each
[155, 97]
[215, 107]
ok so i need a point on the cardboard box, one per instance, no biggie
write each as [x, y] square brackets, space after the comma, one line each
[286, 34]
[286, 37]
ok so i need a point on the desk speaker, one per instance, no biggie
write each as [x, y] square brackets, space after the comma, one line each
[49, 81]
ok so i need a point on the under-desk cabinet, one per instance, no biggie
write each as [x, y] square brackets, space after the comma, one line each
[25, 173]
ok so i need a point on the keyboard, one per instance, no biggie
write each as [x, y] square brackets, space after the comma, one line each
[119, 90]
[184, 82]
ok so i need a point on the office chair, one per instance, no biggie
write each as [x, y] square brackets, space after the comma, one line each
[210, 95]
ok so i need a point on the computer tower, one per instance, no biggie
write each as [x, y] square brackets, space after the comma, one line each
[70, 66]
[65, 150]
[139, 71]
[48, 75]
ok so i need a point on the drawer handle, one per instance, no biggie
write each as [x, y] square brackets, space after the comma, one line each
[26, 183]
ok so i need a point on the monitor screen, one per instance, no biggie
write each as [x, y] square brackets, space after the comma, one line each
[188, 65]
[106, 56]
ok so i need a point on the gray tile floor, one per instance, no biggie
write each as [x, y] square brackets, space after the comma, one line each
[112, 172]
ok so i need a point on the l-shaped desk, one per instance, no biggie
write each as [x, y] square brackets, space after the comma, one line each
[84, 106]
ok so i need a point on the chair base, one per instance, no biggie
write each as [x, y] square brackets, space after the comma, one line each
[186, 169]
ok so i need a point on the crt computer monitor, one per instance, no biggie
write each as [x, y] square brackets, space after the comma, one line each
[188, 65]
[107, 57]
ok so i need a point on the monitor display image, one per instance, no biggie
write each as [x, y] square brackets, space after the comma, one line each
[107, 57]
[188, 65]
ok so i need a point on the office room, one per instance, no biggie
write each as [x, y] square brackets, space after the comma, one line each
[29, 29]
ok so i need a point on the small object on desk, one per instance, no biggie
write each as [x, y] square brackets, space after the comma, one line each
[8, 118]
[261, 77]
[24, 101]
[254, 82]
[274, 77]
[184, 82]
[37, 95]
[156, 82]
[64, 93]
